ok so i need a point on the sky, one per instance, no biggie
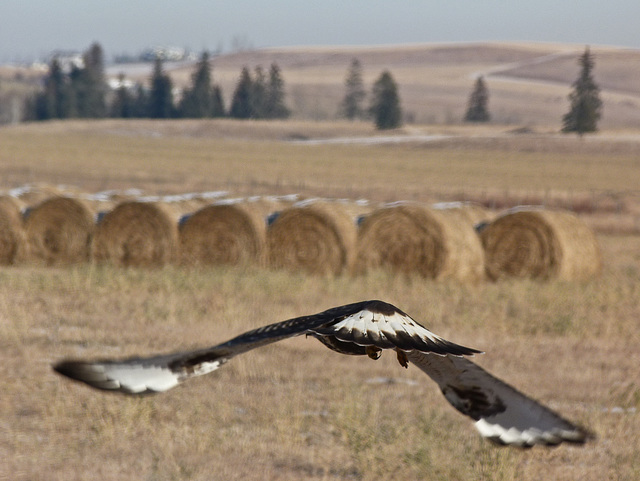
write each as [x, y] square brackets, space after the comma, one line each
[31, 29]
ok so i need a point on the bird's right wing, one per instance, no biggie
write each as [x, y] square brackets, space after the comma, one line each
[501, 413]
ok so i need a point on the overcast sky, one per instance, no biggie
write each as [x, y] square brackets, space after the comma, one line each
[32, 28]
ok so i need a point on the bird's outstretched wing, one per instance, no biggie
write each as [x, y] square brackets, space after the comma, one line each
[365, 328]
[357, 326]
[501, 413]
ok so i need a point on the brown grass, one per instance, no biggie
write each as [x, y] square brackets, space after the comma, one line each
[299, 411]
[296, 410]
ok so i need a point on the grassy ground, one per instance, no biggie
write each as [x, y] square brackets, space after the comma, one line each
[297, 410]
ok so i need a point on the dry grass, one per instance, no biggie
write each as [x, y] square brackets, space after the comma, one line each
[298, 410]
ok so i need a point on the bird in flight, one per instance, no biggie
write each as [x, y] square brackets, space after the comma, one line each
[501, 413]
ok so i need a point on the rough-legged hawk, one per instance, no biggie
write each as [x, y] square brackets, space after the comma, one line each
[501, 413]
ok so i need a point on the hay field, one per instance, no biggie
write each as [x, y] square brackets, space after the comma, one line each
[297, 410]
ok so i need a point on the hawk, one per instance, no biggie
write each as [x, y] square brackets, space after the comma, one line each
[501, 413]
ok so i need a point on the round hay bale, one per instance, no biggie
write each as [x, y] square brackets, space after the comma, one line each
[36, 193]
[469, 212]
[529, 242]
[226, 233]
[136, 234]
[413, 238]
[13, 240]
[317, 237]
[59, 231]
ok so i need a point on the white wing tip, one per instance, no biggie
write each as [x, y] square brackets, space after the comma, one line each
[531, 436]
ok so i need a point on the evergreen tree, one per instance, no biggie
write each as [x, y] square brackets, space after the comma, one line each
[93, 104]
[123, 105]
[217, 103]
[385, 105]
[241, 103]
[161, 94]
[275, 107]
[351, 106]
[586, 106]
[197, 101]
[55, 102]
[258, 99]
[477, 110]
[140, 102]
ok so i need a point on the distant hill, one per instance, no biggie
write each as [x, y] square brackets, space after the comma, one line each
[528, 83]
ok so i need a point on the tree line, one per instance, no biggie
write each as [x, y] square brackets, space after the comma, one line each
[82, 92]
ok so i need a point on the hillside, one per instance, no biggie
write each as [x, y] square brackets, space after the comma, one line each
[528, 83]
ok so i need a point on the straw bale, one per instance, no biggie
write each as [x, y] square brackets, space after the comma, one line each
[469, 212]
[226, 233]
[136, 234]
[317, 237]
[413, 238]
[59, 231]
[13, 240]
[529, 242]
[36, 193]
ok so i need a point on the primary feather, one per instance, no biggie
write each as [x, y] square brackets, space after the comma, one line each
[502, 414]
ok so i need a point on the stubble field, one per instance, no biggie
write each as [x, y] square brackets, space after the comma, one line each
[296, 410]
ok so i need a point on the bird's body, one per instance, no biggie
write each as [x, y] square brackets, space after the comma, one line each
[502, 414]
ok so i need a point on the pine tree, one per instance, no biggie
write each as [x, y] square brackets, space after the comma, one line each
[385, 106]
[217, 103]
[351, 106]
[197, 101]
[140, 102]
[258, 98]
[586, 106]
[93, 105]
[56, 101]
[241, 107]
[161, 94]
[477, 110]
[123, 105]
[275, 107]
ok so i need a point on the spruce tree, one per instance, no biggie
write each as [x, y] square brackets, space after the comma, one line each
[351, 106]
[241, 103]
[275, 107]
[140, 102]
[93, 104]
[586, 106]
[56, 101]
[385, 105]
[197, 101]
[258, 98]
[477, 110]
[161, 93]
[217, 102]
[123, 105]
